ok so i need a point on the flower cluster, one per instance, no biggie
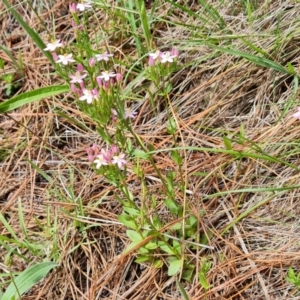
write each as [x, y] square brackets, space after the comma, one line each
[163, 57]
[108, 157]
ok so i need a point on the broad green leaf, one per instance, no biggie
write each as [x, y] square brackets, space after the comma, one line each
[167, 248]
[27, 279]
[174, 267]
[32, 96]
[128, 221]
[134, 236]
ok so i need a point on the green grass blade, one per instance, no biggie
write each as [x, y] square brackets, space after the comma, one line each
[261, 61]
[10, 55]
[32, 96]
[30, 31]
[27, 279]
[213, 13]
[144, 22]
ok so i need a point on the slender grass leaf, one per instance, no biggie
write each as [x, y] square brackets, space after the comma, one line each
[32, 96]
[27, 279]
[182, 290]
[261, 61]
[30, 31]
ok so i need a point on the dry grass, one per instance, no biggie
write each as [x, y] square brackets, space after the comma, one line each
[214, 93]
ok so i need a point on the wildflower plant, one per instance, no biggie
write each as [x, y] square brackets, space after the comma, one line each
[97, 84]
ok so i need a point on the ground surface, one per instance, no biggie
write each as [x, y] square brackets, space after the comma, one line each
[251, 204]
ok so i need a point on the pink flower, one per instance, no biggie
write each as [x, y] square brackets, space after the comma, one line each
[151, 61]
[119, 160]
[80, 68]
[155, 55]
[83, 6]
[65, 59]
[52, 46]
[72, 8]
[92, 62]
[105, 56]
[129, 114]
[297, 114]
[167, 57]
[174, 52]
[92, 152]
[77, 77]
[119, 77]
[107, 75]
[100, 161]
[88, 95]
[54, 56]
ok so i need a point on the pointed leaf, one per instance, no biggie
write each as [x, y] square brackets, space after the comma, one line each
[27, 279]
[32, 96]
[174, 267]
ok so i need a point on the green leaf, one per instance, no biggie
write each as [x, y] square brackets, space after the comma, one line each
[140, 154]
[203, 280]
[171, 205]
[176, 157]
[227, 143]
[32, 96]
[27, 279]
[134, 236]
[261, 61]
[158, 263]
[165, 247]
[142, 259]
[128, 221]
[129, 247]
[174, 267]
[182, 290]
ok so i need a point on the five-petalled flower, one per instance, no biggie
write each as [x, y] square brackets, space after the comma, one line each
[88, 95]
[107, 75]
[119, 160]
[52, 46]
[65, 59]
[167, 57]
[84, 5]
[105, 56]
[77, 77]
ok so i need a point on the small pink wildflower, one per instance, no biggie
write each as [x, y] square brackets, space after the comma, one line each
[84, 5]
[92, 62]
[92, 152]
[52, 46]
[72, 8]
[107, 75]
[129, 114]
[167, 57]
[174, 52]
[297, 114]
[155, 55]
[88, 95]
[77, 77]
[120, 160]
[105, 56]
[65, 59]
[100, 161]
[119, 77]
